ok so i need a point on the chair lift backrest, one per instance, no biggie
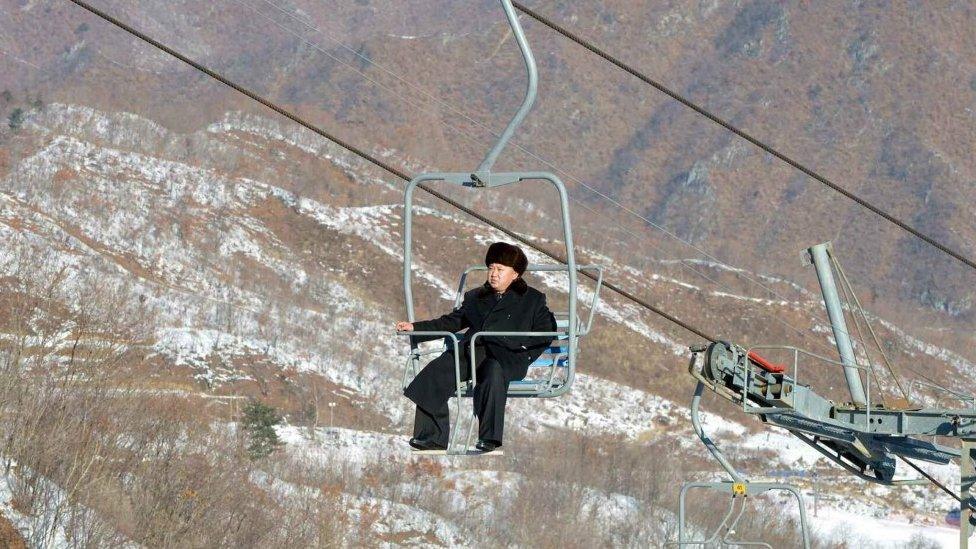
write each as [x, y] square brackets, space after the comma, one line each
[558, 351]
[561, 316]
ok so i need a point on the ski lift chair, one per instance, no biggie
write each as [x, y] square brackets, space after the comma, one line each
[558, 364]
[553, 373]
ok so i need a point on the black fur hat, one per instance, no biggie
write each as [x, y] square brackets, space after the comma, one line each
[504, 253]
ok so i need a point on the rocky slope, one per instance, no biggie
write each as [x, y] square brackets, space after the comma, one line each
[270, 257]
[260, 289]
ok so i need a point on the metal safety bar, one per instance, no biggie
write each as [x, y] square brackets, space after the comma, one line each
[549, 392]
[459, 388]
[415, 354]
[412, 358]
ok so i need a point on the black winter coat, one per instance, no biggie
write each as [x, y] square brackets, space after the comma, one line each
[520, 309]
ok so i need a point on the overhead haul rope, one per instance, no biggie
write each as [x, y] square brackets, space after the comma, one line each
[728, 126]
[402, 175]
[376, 161]
[457, 111]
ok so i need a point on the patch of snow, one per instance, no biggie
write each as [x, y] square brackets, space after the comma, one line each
[49, 526]
[863, 530]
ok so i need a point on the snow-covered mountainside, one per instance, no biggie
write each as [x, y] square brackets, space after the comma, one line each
[263, 284]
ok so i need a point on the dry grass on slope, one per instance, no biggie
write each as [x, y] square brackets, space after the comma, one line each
[97, 461]
[9, 535]
[94, 461]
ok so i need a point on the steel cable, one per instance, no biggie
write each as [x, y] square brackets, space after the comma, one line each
[931, 479]
[402, 175]
[376, 161]
[728, 126]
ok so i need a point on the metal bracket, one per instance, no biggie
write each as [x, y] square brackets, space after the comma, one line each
[731, 518]
[739, 486]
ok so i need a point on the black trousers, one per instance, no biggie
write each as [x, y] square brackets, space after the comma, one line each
[434, 385]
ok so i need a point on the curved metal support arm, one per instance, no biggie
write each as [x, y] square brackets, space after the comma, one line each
[530, 91]
[712, 448]
[696, 423]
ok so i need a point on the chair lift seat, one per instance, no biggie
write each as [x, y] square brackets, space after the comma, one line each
[549, 375]
[553, 358]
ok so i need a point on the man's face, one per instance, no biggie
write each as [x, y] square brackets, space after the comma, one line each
[500, 277]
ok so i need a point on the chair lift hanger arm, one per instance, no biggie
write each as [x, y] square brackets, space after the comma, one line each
[530, 91]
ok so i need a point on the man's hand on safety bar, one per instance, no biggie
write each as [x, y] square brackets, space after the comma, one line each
[404, 327]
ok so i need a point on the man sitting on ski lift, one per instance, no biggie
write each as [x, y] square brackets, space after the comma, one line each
[505, 303]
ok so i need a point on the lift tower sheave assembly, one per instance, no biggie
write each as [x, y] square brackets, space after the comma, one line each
[861, 436]
[531, 86]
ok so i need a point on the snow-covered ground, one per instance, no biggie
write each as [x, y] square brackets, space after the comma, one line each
[841, 525]
[105, 150]
[47, 526]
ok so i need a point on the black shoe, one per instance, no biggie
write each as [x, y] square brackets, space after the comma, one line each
[487, 446]
[420, 444]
